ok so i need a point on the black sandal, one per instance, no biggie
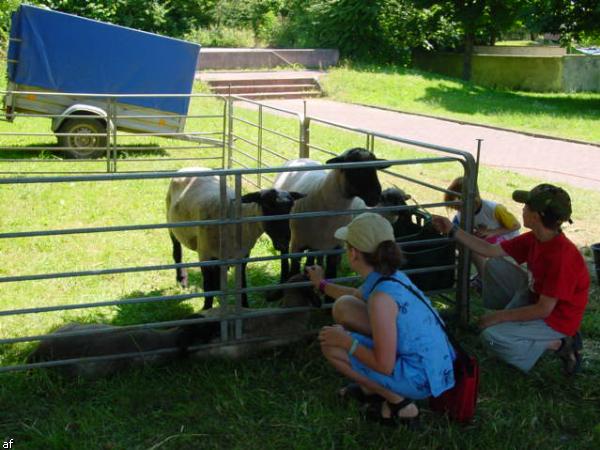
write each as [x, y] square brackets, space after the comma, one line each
[355, 392]
[569, 353]
[373, 413]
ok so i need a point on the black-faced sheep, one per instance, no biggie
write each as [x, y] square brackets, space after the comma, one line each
[118, 341]
[325, 191]
[198, 198]
[413, 225]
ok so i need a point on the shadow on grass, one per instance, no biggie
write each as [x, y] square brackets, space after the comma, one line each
[48, 151]
[470, 99]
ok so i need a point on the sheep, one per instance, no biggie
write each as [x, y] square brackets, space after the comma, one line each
[116, 342]
[198, 198]
[410, 226]
[278, 329]
[327, 190]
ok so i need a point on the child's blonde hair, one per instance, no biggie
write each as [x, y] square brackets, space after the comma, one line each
[457, 186]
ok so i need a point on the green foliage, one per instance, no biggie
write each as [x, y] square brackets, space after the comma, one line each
[572, 19]
[6, 9]
[222, 36]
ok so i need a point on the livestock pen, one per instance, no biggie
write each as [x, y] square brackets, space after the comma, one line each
[77, 240]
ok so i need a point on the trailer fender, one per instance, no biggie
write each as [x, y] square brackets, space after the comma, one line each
[81, 109]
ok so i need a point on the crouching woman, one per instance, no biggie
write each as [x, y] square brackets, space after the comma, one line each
[386, 339]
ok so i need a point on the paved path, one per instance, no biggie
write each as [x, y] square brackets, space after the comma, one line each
[548, 159]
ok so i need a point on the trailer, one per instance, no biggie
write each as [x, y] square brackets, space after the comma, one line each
[54, 58]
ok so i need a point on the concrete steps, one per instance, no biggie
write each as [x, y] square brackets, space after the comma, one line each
[267, 88]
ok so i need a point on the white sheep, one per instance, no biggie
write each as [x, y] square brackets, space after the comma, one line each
[325, 191]
[198, 198]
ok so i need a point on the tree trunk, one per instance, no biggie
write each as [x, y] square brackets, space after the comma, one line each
[468, 55]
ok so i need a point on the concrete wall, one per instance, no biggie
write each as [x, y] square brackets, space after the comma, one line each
[526, 73]
[532, 50]
[449, 64]
[566, 73]
[251, 58]
[581, 73]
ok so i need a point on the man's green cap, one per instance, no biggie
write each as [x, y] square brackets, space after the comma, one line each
[366, 232]
[546, 198]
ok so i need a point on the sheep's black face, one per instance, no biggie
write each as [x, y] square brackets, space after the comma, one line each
[274, 202]
[395, 197]
[360, 182]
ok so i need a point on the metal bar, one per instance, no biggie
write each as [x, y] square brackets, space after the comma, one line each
[259, 139]
[322, 149]
[247, 122]
[210, 222]
[247, 141]
[224, 138]
[239, 272]
[393, 138]
[233, 160]
[274, 108]
[273, 153]
[222, 246]
[229, 131]
[96, 95]
[270, 170]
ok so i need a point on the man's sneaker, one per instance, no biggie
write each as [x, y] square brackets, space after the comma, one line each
[569, 352]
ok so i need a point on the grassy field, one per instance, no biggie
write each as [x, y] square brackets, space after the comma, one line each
[277, 400]
[574, 116]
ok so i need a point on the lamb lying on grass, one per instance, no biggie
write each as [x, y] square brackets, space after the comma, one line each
[278, 329]
[198, 198]
[119, 341]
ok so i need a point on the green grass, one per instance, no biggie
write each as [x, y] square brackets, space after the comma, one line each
[574, 116]
[280, 399]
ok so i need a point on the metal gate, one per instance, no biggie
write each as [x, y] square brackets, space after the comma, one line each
[248, 133]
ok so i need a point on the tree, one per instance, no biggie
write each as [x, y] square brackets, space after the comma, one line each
[572, 19]
[479, 20]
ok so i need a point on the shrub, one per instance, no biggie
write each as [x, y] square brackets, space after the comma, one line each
[222, 37]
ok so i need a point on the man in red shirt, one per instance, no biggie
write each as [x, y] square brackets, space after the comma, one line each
[539, 308]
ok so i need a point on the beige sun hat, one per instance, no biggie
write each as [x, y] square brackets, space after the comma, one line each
[366, 232]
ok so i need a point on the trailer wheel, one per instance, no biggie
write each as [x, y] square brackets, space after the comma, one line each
[81, 146]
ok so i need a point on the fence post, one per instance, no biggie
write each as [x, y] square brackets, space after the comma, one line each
[238, 244]
[224, 143]
[222, 268]
[109, 136]
[259, 143]
[464, 254]
[304, 149]
[229, 132]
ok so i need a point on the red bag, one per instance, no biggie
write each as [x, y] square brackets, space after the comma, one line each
[460, 401]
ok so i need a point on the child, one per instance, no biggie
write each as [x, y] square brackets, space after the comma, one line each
[492, 222]
[540, 308]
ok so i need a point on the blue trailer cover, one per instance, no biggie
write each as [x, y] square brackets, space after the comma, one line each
[66, 53]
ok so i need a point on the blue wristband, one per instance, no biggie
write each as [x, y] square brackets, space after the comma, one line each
[353, 347]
